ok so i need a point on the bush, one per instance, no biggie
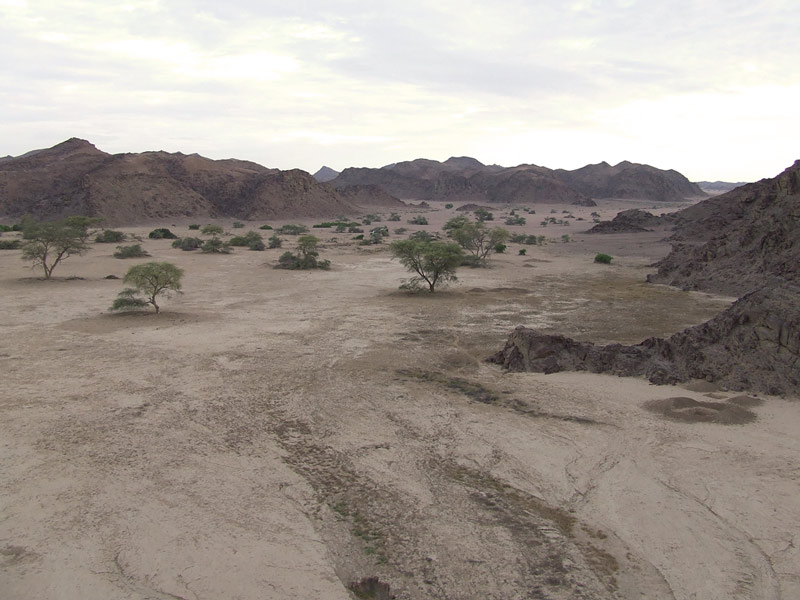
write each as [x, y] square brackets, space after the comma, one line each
[238, 225]
[265, 227]
[134, 251]
[394, 217]
[257, 245]
[515, 220]
[338, 224]
[275, 241]
[449, 205]
[603, 258]
[293, 229]
[523, 251]
[422, 236]
[187, 243]
[483, 215]
[215, 246]
[109, 236]
[565, 238]
[212, 230]
[500, 248]
[246, 239]
[418, 220]
[194, 226]
[306, 257]
[6, 228]
[10, 244]
[400, 230]
[162, 233]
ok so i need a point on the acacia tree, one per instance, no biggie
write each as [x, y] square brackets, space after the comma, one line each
[434, 263]
[478, 240]
[48, 243]
[150, 280]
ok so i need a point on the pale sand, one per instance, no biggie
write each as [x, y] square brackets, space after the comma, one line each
[280, 434]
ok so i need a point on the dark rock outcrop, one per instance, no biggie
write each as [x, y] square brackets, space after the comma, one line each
[753, 345]
[629, 221]
[739, 241]
[74, 177]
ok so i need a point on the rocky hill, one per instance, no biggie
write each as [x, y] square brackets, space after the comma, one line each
[739, 241]
[714, 188]
[325, 174]
[465, 178]
[754, 345]
[74, 177]
[631, 181]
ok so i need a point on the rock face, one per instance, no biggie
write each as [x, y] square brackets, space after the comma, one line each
[754, 345]
[739, 241]
[465, 178]
[325, 174]
[629, 221]
[74, 177]
[630, 180]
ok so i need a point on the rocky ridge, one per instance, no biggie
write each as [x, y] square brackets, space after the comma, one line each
[75, 177]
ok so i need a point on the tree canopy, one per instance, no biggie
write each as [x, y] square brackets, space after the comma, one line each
[151, 280]
[434, 263]
[48, 243]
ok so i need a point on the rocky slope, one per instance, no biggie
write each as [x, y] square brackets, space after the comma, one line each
[74, 177]
[464, 178]
[739, 241]
[629, 180]
[633, 220]
[753, 345]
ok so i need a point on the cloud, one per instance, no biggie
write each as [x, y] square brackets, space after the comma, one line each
[351, 82]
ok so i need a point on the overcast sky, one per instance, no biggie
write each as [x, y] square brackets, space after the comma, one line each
[710, 88]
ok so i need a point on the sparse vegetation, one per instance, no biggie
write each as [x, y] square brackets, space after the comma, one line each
[245, 240]
[215, 246]
[418, 220]
[150, 280]
[162, 233]
[500, 248]
[274, 241]
[266, 227]
[434, 263]
[238, 225]
[48, 243]
[212, 230]
[293, 229]
[566, 238]
[448, 205]
[515, 220]
[132, 251]
[109, 236]
[10, 244]
[603, 258]
[523, 251]
[194, 227]
[306, 256]
[478, 240]
[394, 217]
[481, 214]
[188, 243]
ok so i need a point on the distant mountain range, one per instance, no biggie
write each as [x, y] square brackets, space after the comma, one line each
[74, 177]
[714, 188]
[467, 179]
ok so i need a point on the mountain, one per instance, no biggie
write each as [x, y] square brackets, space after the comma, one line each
[739, 241]
[325, 174]
[714, 188]
[630, 181]
[463, 179]
[467, 179]
[74, 177]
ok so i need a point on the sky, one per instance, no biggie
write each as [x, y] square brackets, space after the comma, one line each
[709, 88]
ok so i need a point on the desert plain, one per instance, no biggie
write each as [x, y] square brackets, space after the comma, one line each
[282, 434]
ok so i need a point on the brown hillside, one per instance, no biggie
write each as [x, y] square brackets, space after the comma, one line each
[74, 177]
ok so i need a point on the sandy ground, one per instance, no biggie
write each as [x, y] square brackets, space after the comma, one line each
[279, 434]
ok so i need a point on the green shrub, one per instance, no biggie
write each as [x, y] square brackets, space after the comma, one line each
[257, 245]
[246, 239]
[360, 236]
[483, 215]
[449, 205]
[400, 230]
[109, 236]
[293, 229]
[515, 220]
[500, 248]
[215, 246]
[275, 241]
[194, 226]
[188, 243]
[10, 244]
[212, 230]
[565, 238]
[306, 257]
[603, 258]
[238, 225]
[394, 217]
[6, 228]
[523, 251]
[162, 233]
[422, 236]
[265, 227]
[133, 251]
[418, 220]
